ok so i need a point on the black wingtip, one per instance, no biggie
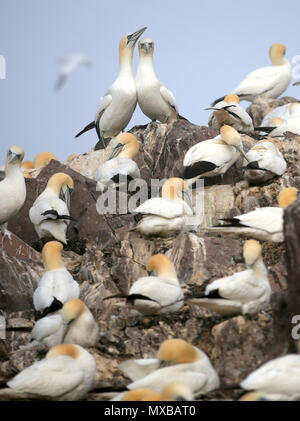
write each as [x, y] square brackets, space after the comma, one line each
[217, 100]
[265, 129]
[54, 306]
[90, 126]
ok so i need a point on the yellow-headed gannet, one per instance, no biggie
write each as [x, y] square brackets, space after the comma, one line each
[159, 293]
[42, 159]
[166, 215]
[118, 104]
[50, 214]
[267, 82]
[70, 63]
[27, 167]
[56, 283]
[67, 373]
[244, 292]
[280, 114]
[155, 100]
[120, 166]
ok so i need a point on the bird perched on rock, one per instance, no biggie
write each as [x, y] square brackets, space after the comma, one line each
[12, 187]
[244, 292]
[290, 125]
[159, 293]
[155, 100]
[267, 82]
[120, 167]
[264, 163]
[280, 114]
[118, 104]
[56, 284]
[70, 63]
[168, 214]
[50, 214]
[42, 159]
[67, 373]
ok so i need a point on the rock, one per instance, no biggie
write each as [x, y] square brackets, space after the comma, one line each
[260, 107]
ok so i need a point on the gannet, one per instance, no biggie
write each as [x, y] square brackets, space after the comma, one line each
[166, 215]
[290, 125]
[42, 159]
[71, 157]
[213, 157]
[27, 167]
[267, 82]
[280, 114]
[264, 163]
[155, 100]
[244, 292]
[56, 282]
[67, 373]
[118, 104]
[12, 187]
[175, 391]
[50, 214]
[70, 63]
[229, 112]
[120, 164]
[177, 361]
[159, 293]
[265, 224]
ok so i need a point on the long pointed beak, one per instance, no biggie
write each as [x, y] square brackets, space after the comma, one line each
[116, 150]
[135, 36]
[67, 196]
[12, 157]
[211, 108]
[240, 149]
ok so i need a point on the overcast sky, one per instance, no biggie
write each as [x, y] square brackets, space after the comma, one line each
[203, 49]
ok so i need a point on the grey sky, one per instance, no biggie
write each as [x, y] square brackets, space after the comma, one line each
[202, 51]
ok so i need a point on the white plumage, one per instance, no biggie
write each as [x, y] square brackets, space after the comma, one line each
[284, 112]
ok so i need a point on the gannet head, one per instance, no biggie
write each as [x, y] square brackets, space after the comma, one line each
[174, 188]
[177, 391]
[72, 309]
[42, 159]
[127, 147]
[15, 156]
[70, 157]
[232, 138]
[176, 351]
[51, 255]
[232, 98]
[62, 181]
[277, 53]
[141, 395]
[129, 40]
[146, 46]
[160, 265]
[287, 196]
[29, 166]
[68, 350]
[252, 251]
[253, 396]
[276, 121]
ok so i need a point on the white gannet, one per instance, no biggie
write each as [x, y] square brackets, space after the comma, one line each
[120, 165]
[27, 167]
[290, 125]
[50, 214]
[70, 63]
[177, 361]
[159, 293]
[118, 104]
[264, 163]
[166, 215]
[12, 187]
[265, 224]
[213, 157]
[175, 391]
[229, 112]
[244, 292]
[42, 159]
[56, 282]
[267, 82]
[67, 373]
[154, 99]
[280, 114]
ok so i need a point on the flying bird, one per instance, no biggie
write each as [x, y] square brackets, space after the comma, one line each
[70, 63]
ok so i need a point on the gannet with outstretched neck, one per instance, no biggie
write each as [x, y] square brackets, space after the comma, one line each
[155, 100]
[118, 104]
[50, 214]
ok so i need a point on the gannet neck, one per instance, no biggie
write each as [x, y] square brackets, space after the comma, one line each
[12, 168]
[168, 273]
[51, 254]
[260, 269]
[146, 66]
[57, 181]
[162, 267]
[125, 59]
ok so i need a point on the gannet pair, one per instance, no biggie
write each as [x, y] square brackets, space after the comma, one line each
[264, 163]
[265, 224]
[245, 292]
[70, 63]
[267, 82]
[50, 214]
[176, 391]
[176, 361]
[120, 166]
[67, 373]
[229, 112]
[118, 104]
[12, 187]
[159, 293]
[56, 284]
[162, 216]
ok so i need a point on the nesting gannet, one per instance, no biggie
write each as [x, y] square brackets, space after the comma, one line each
[280, 114]
[155, 100]
[213, 157]
[56, 282]
[120, 164]
[244, 292]
[71, 157]
[12, 187]
[177, 361]
[165, 215]
[70, 63]
[264, 224]
[27, 167]
[118, 104]
[50, 214]
[229, 112]
[67, 373]
[42, 159]
[159, 293]
[264, 163]
[175, 391]
[267, 82]
[290, 125]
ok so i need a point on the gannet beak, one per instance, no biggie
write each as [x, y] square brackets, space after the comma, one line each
[164, 364]
[135, 36]
[211, 108]
[116, 150]
[241, 152]
[187, 198]
[67, 191]
[12, 157]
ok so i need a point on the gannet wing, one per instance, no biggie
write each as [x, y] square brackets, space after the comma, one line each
[169, 97]
[161, 207]
[258, 82]
[137, 369]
